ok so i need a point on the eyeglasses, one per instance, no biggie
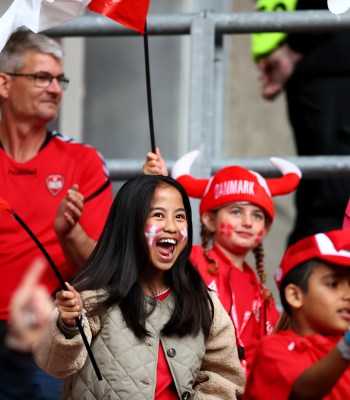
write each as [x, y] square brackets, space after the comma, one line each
[44, 80]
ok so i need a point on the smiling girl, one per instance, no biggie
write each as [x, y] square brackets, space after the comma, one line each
[236, 211]
[156, 331]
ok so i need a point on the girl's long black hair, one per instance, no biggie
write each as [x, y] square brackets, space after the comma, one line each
[120, 262]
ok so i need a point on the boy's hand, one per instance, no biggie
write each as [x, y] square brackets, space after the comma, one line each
[69, 305]
[155, 165]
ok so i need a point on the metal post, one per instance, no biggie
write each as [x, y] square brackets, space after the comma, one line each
[201, 120]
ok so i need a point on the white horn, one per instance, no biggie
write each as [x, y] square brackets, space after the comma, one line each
[286, 167]
[183, 165]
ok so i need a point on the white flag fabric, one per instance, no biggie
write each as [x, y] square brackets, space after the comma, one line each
[338, 6]
[38, 15]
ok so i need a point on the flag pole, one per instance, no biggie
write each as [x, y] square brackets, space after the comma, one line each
[149, 94]
[5, 206]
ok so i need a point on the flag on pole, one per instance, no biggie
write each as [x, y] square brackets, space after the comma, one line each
[131, 13]
[38, 15]
[338, 6]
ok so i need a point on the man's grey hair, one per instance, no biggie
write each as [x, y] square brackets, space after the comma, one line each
[12, 56]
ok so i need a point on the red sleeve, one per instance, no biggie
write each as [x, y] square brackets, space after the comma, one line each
[96, 187]
[274, 370]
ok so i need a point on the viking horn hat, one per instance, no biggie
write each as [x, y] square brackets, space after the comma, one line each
[236, 184]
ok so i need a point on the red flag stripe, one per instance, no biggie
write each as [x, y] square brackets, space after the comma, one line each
[4, 205]
[131, 13]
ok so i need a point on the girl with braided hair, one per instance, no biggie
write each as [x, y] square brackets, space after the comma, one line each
[236, 211]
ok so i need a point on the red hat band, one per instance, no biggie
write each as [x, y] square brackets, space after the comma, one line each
[331, 247]
[236, 184]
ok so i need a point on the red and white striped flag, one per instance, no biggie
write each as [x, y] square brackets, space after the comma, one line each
[131, 13]
[39, 15]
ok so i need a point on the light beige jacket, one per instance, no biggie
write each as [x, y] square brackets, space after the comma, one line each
[128, 365]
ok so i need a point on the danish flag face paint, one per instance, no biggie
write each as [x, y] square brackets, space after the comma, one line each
[226, 229]
[259, 237]
[151, 233]
[184, 233]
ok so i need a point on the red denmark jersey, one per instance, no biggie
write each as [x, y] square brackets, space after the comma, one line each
[240, 294]
[281, 358]
[34, 190]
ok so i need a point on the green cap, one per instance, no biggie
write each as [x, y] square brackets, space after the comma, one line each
[263, 43]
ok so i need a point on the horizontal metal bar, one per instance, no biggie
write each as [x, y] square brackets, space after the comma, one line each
[99, 25]
[291, 21]
[311, 167]
[229, 23]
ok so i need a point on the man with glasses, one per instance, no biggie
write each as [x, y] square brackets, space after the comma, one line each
[59, 187]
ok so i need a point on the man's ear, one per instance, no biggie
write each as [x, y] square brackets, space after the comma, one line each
[208, 219]
[5, 83]
[294, 296]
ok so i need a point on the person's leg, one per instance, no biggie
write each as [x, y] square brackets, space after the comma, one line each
[22, 379]
[50, 387]
[319, 115]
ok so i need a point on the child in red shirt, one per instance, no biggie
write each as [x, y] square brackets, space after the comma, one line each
[236, 212]
[309, 360]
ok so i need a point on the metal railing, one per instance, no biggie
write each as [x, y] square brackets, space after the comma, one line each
[203, 28]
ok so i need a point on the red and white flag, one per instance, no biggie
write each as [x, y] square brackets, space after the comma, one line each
[131, 13]
[39, 15]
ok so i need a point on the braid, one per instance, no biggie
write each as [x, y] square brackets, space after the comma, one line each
[206, 238]
[259, 259]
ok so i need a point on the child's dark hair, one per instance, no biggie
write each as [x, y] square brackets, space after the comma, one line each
[258, 252]
[298, 276]
[120, 262]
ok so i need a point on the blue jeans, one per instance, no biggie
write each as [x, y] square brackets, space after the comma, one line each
[22, 379]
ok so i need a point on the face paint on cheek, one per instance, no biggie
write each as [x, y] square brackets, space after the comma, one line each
[259, 237]
[226, 229]
[184, 233]
[151, 233]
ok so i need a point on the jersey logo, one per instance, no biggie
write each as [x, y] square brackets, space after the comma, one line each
[54, 184]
